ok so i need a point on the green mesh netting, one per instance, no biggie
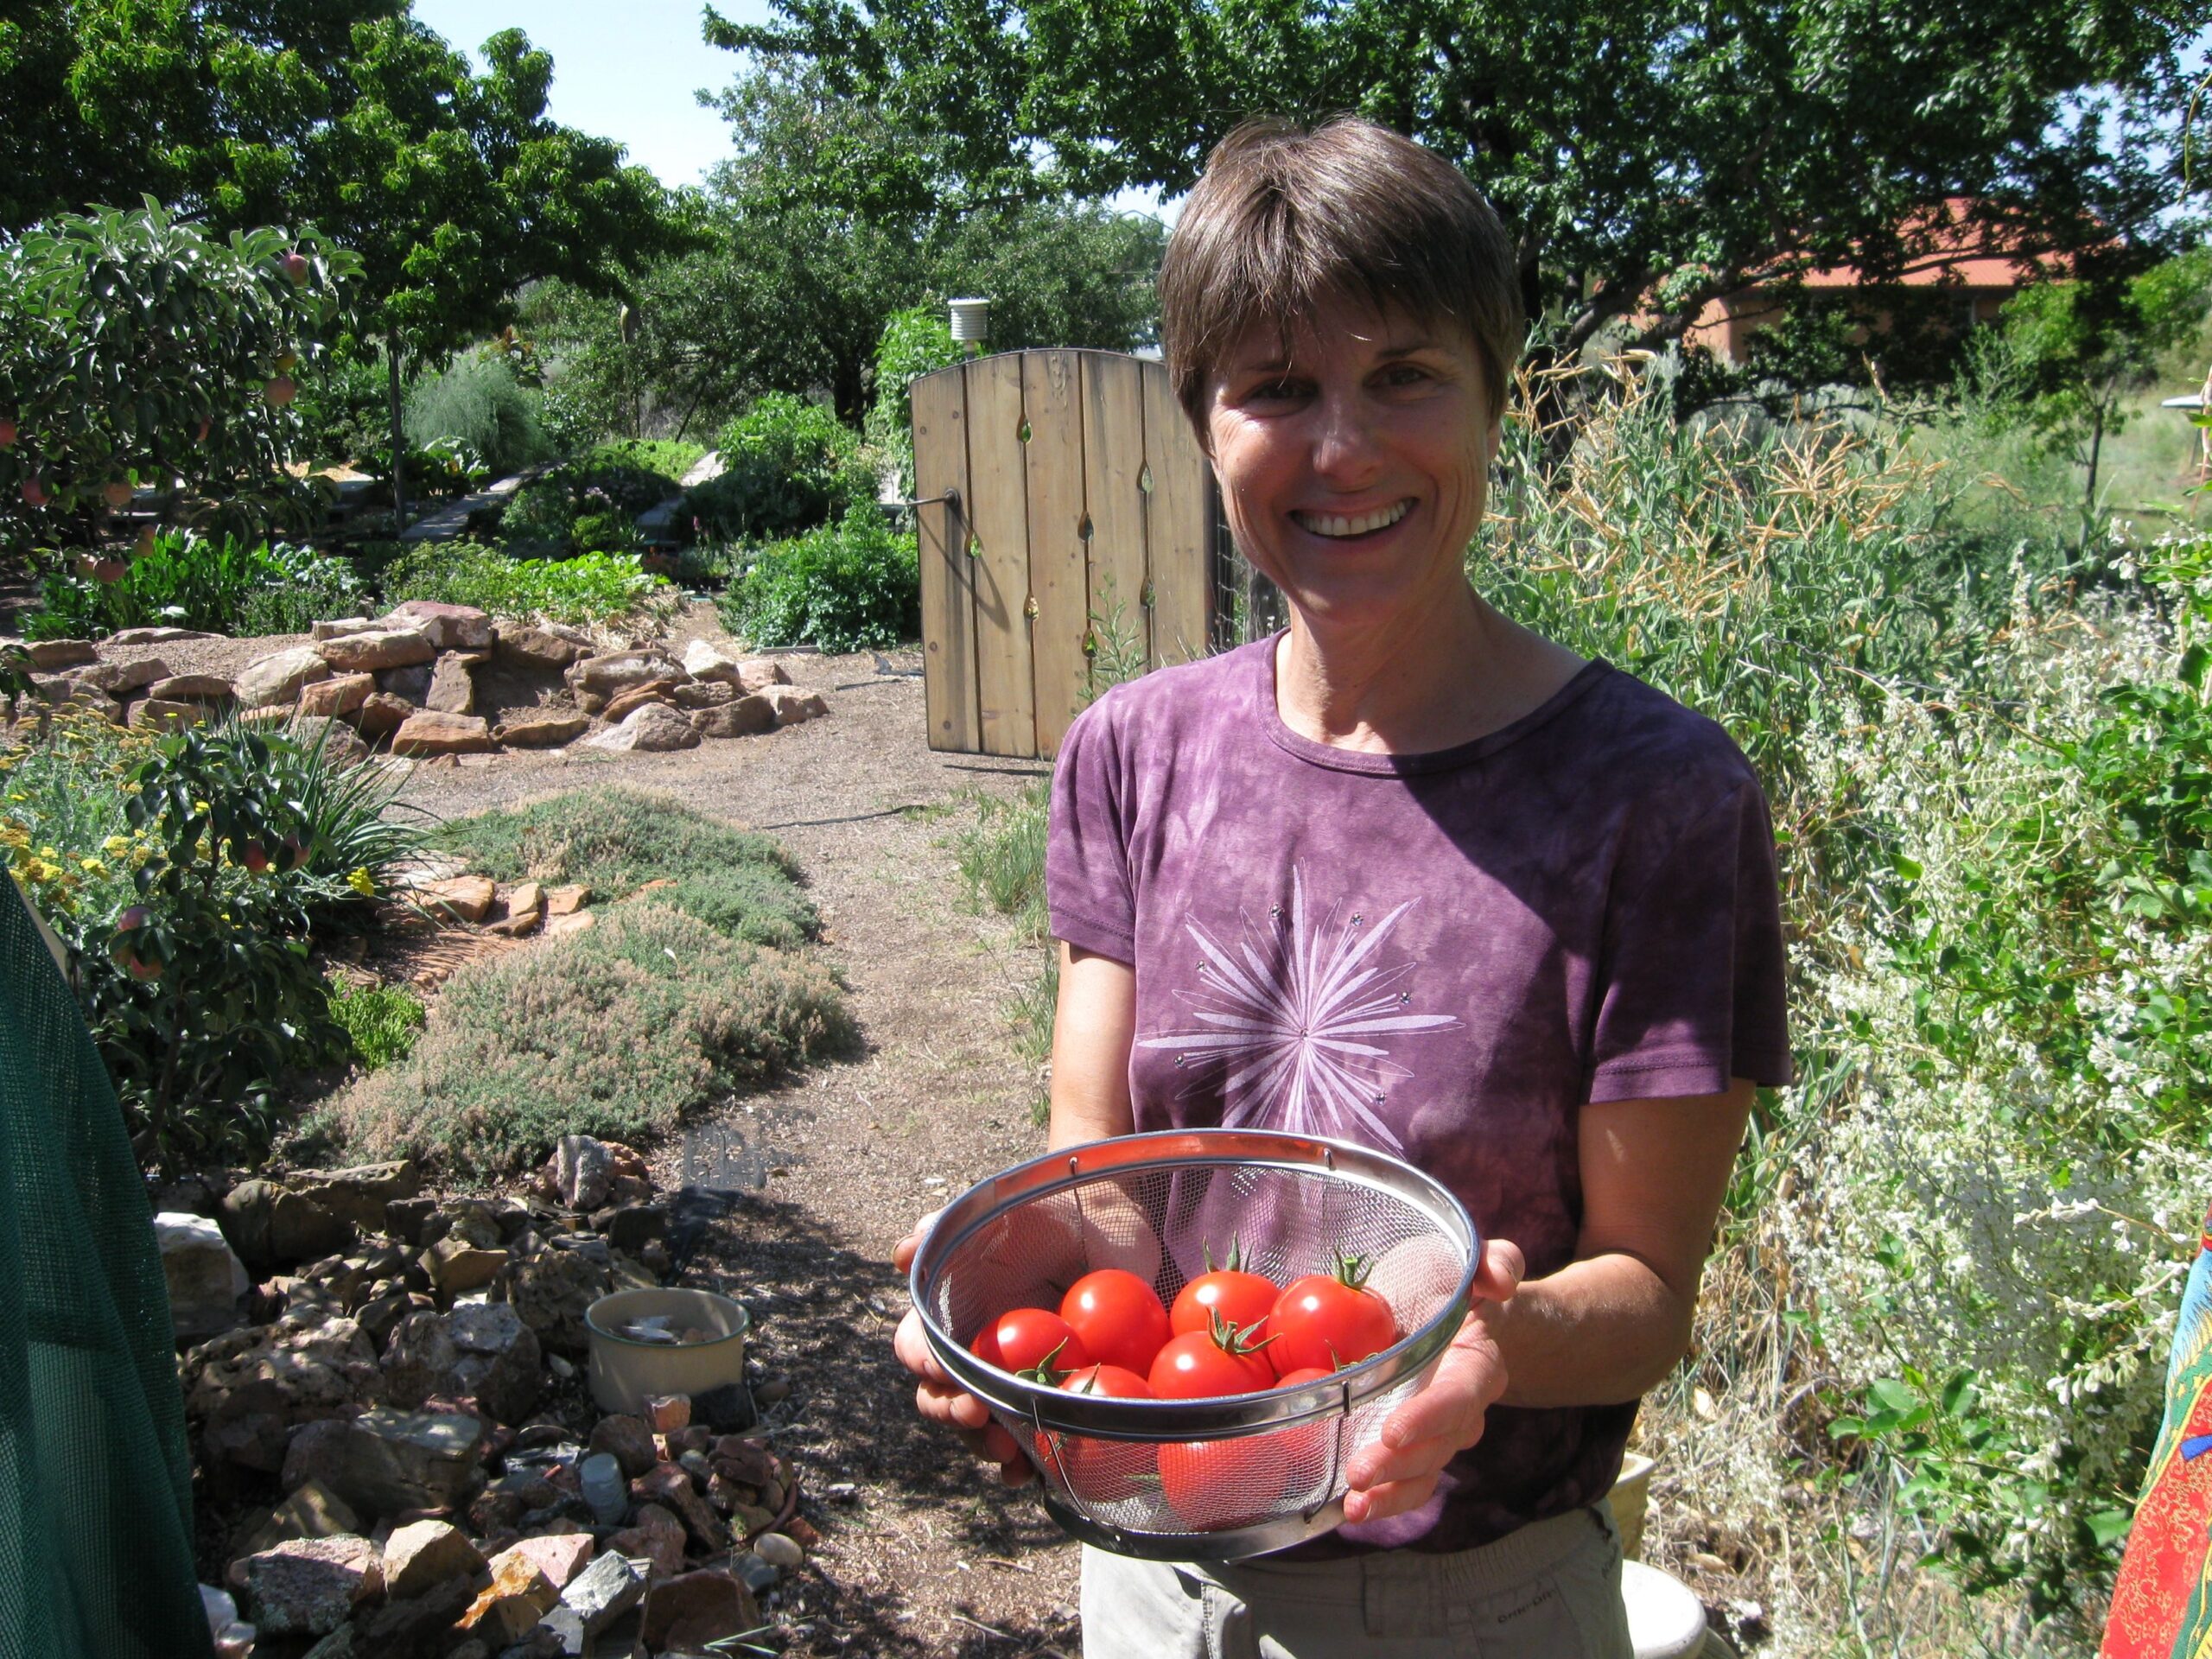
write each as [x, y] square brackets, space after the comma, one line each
[96, 1556]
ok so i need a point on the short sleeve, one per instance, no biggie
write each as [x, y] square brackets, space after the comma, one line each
[1087, 892]
[1691, 991]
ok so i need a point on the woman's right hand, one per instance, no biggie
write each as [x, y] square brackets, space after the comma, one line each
[941, 1400]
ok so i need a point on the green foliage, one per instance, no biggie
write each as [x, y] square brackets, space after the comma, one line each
[478, 400]
[787, 465]
[199, 991]
[1725, 146]
[134, 347]
[915, 342]
[2067, 356]
[615, 841]
[849, 585]
[343, 407]
[591, 504]
[661, 458]
[591, 587]
[183, 579]
[626, 1030]
[381, 1023]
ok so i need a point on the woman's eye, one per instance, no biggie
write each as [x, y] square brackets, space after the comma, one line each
[1404, 374]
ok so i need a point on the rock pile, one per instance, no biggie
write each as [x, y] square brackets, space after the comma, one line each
[409, 679]
[411, 1393]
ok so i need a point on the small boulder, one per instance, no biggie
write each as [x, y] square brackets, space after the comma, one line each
[656, 728]
[447, 627]
[541, 729]
[340, 694]
[559, 1556]
[193, 687]
[499, 1360]
[120, 679]
[385, 1461]
[50, 656]
[517, 911]
[423, 1554]
[313, 1511]
[583, 1172]
[271, 1222]
[669, 1485]
[339, 742]
[685, 1614]
[668, 1413]
[603, 1592]
[655, 1536]
[309, 1586]
[747, 716]
[161, 635]
[452, 689]
[381, 712]
[206, 1281]
[376, 649]
[275, 681]
[617, 671]
[628, 1440]
[464, 898]
[567, 900]
[341, 627]
[528, 647]
[363, 1193]
[703, 694]
[517, 1596]
[430, 733]
[456, 1267]
[552, 1291]
[793, 705]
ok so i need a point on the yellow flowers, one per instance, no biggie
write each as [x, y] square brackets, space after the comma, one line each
[116, 846]
[92, 866]
[363, 883]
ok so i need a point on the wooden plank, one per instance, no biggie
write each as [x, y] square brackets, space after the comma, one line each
[1113, 461]
[999, 516]
[1058, 575]
[1178, 526]
[940, 406]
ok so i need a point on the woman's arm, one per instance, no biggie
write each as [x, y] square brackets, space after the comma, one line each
[1093, 1026]
[1603, 1329]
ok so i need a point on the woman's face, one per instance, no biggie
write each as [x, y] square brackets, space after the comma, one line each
[1354, 469]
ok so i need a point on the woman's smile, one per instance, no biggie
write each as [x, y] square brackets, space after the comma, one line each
[1351, 525]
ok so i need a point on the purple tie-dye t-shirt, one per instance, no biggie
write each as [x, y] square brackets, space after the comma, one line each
[1442, 956]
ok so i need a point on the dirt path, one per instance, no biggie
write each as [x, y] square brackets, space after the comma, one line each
[798, 1195]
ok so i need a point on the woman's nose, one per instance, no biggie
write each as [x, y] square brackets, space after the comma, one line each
[1345, 450]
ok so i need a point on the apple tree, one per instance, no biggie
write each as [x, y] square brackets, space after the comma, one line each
[137, 351]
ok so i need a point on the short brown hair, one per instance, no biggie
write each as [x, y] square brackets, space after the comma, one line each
[1285, 219]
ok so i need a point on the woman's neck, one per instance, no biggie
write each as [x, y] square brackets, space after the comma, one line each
[1433, 678]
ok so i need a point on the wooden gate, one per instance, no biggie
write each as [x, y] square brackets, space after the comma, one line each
[1063, 505]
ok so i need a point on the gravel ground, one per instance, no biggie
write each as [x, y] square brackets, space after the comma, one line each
[796, 1196]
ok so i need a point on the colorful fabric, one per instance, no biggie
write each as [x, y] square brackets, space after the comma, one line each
[1440, 955]
[2162, 1606]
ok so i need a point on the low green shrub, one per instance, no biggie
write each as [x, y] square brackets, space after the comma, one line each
[614, 841]
[184, 580]
[592, 504]
[184, 874]
[851, 586]
[624, 1030]
[662, 458]
[605, 532]
[381, 1022]
[478, 400]
[787, 465]
[591, 587]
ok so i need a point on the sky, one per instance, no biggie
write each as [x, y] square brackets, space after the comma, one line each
[625, 72]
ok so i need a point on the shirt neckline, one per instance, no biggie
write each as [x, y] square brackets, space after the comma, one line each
[1376, 764]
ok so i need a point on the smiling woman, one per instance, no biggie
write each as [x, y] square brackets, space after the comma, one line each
[1409, 875]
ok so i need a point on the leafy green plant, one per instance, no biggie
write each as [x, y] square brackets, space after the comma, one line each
[615, 841]
[849, 585]
[182, 579]
[382, 1022]
[787, 465]
[915, 342]
[478, 400]
[135, 348]
[591, 587]
[626, 1030]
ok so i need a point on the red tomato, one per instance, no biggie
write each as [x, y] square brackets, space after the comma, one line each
[1242, 1298]
[1099, 1471]
[1206, 1365]
[1119, 1318]
[1330, 1320]
[1211, 1485]
[1025, 1337]
[1302, 1375]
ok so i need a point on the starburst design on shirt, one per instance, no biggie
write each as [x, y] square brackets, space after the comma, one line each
[1291, 1016]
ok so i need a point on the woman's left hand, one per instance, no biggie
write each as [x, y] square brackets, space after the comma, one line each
[1399, 1470]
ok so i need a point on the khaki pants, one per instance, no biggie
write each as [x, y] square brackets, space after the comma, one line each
[1550, 1591]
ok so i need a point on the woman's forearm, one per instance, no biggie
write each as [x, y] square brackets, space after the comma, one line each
[1599, 1332]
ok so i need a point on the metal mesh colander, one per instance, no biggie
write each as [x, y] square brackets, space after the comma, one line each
[1185, 1479]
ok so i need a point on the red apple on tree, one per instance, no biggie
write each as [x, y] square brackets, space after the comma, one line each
[254, 856]
[7, 431]
[287, 361]
[117, 494]
[280, 391]
[34, 492]
[294, 265]
[110, 570]
[205, 423]
[146, 540]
